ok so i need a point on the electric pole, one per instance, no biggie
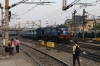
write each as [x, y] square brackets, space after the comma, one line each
[95, 28]
[33, 24]
[55, 23]
[83, 22]
[40, 22]
[28, 24]
[74, 23]
[19, 25]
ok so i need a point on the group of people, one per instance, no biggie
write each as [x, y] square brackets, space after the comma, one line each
[13, 43]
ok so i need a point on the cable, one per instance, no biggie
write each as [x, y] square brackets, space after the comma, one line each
[23, 9]
[71, 3]
[61, 13]
[49, 14]
[35, 6]
[65, 12]
[29, 10]
[93, 2]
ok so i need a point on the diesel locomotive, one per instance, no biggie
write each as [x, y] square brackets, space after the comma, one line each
[57, 33]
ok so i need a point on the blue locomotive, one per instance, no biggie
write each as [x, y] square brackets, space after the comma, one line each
[58, 33]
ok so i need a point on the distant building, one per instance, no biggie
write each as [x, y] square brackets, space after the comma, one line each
[78, 18]
[90, 24]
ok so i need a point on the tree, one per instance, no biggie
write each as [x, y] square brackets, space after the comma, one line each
[97, 27]
[68, 21]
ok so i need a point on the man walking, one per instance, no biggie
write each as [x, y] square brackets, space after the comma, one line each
[17, 42]
[75, 54]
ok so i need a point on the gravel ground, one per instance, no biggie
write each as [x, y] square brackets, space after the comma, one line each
[66, 57]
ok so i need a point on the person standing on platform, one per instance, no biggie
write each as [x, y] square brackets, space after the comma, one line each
[76, 52]
[17, 42]
[12, 45]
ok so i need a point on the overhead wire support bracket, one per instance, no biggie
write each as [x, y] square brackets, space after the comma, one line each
[65, 7]
[15, 4]
[85, 4]
[41, 3]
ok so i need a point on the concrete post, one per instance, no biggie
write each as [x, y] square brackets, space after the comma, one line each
[6, 22]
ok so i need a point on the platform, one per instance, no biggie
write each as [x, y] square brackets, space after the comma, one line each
[16, 62]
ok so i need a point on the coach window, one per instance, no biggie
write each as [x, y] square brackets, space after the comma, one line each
[99, 34]
[54, 29]
[92, 33]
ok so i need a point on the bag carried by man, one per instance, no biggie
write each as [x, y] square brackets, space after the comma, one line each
[77, 51]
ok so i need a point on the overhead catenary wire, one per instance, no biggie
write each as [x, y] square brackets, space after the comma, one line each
[57, 18]
[54, 18]
[20, 14]
[33, 7]
[56, 14]
[23, 9]
[61, 14]
[71, 3]
[75, 0]
[28, 10]
[50, 19]
[38, 19]
[67, 16]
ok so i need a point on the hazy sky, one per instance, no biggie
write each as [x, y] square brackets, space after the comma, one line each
[48, 13]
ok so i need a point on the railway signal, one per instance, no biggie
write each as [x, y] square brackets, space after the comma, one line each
[9, 15]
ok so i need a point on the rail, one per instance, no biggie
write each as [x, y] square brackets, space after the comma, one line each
[62, 63]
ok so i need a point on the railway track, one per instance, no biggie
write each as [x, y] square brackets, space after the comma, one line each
[87, 50]
[90, 46]
[84, 52]
[43, 59]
